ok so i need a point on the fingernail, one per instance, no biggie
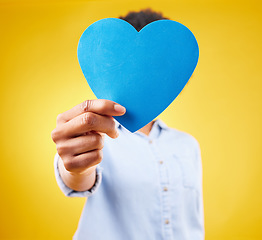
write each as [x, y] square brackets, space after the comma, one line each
[119, 108]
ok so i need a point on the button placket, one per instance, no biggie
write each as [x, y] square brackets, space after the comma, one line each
[165, 196]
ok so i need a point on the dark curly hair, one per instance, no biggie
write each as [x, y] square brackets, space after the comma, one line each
[140, 19]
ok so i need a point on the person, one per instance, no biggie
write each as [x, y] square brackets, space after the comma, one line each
[142, 185]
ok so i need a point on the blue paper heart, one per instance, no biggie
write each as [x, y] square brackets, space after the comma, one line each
[143, 71]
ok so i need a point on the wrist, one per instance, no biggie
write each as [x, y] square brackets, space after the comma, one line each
[87, 172]
[79, 181]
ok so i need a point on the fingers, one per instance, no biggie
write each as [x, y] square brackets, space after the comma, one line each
[99, 106]
[83, 161]
[81, 144]
[85, 123]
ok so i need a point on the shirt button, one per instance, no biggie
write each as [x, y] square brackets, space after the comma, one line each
[167, 221]
[150, 141]
[165, 189]
[161, 162]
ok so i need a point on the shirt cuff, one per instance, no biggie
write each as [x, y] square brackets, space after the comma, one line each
[72, 193]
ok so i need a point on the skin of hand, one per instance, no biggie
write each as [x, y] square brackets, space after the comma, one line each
[79, 139]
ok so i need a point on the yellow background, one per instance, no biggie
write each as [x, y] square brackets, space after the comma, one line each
[221, 106]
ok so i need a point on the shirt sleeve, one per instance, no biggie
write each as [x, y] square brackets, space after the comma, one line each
[72, 193]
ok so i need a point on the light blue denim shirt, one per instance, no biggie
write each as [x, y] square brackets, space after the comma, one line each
[147, 188]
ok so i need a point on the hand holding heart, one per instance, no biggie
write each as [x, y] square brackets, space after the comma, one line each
[143, 71]
[79, 133]
[79, 138]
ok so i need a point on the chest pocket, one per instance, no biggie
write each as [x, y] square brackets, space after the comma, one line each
[188, 170]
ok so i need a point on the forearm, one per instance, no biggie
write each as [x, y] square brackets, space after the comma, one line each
[77, 181]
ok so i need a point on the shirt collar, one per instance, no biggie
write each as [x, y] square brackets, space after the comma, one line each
[161, 124]
[158, 123]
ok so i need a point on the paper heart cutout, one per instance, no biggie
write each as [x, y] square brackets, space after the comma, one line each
[143, 71]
